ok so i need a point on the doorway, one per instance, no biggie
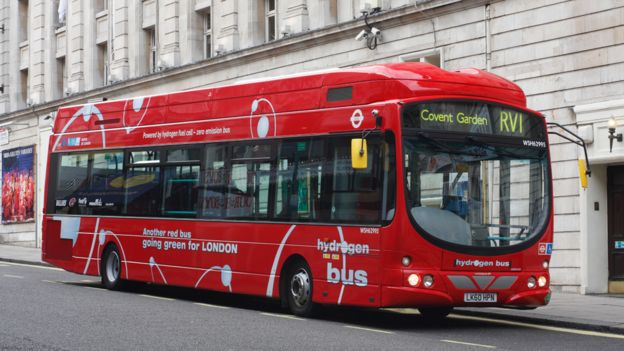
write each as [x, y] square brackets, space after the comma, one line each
[615, 184]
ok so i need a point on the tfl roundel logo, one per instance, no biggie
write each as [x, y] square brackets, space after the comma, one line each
[357, 118]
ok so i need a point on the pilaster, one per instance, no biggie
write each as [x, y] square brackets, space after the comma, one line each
[75, 46]
[168, 33]
[118, 47]
[227, 22]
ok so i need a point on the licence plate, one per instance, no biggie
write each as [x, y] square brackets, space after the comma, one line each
[480, 297]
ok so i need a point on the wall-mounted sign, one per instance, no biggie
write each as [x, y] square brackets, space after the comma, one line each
[18, 185]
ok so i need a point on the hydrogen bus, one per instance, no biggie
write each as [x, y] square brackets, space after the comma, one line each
[393, 185]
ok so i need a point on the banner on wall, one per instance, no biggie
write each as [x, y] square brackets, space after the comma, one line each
[18, 185]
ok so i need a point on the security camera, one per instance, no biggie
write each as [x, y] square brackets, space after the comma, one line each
[361, 35]
[376, 31]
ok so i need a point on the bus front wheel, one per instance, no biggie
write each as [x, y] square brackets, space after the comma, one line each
[435, 313]
[299, 289]
[111, 268]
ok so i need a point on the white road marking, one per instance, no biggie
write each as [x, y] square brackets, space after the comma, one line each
[369, 329]
[33, 266]
[13, 276]
[93, 288]
[286, 316]
[209, 305]
[50, 281]
[157, 297]
[89, 281]
[469, 344]
[542, 327]
[4, 265]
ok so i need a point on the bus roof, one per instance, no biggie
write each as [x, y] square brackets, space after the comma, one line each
[307, 91]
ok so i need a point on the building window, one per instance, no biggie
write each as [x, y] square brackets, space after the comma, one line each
[102, 63]
[101, 5]
[23, 20]
[271, 20]
[60, 13]
[151, 49]
[61, 77]
[207, 33]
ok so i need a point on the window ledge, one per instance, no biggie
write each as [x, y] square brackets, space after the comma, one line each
[23, 44]
[101, 14]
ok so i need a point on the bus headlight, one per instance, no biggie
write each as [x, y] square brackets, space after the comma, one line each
[413, 279]
[531, 282]
[428, 281]
[406, 260]
[541, 281]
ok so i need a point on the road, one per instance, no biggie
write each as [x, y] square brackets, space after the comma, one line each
[42, 308]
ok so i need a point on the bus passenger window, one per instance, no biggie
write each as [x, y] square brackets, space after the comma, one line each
[72, 184]
[181, 190]
[106, 193]
[298, 180]
[214, 183]
[248, 190]
[143, 191]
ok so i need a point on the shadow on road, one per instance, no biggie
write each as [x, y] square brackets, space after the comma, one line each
[386, 319]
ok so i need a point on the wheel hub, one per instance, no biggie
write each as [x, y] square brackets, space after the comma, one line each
[112, 267]
[300, 287]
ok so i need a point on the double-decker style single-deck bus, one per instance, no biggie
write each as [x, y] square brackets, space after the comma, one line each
[388, 185]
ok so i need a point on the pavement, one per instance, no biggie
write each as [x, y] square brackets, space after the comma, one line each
[604, 313]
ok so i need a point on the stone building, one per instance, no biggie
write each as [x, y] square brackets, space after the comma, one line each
[567, 55]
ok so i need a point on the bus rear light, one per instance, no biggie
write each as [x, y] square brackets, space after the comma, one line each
[541, 281]
[406, 260]
[545, 264]
[413, 279]
[428, 281]
[531, 282]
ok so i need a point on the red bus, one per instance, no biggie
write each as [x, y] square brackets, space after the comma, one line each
[388, 185]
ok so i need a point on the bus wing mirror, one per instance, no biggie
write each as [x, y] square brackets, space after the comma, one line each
[359, 153]
[582, 173]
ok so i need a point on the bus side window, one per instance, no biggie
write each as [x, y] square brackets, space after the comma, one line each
[214, 182]
[355, 193]
[298, 180]
[143, 189]
[247, 193]
[106, 193]
[72, 184]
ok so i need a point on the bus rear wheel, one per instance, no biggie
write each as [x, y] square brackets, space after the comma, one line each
[435, 313]
[111, 268]
[299, 289]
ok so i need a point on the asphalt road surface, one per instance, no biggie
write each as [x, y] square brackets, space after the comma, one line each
[42, 308]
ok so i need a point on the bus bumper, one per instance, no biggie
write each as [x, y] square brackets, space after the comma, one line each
[394, 296]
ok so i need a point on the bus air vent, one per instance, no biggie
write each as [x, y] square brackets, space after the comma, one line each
[339, 94]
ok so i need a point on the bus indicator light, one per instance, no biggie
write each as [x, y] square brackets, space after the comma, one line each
[413, 279]
[406, 260]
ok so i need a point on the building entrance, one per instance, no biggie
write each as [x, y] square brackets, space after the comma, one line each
[615, 192]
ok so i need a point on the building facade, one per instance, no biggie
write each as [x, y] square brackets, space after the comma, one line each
[567, 55]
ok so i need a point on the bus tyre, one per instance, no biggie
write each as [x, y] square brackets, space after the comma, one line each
[299, 289]
[435, 313]
[111, 268]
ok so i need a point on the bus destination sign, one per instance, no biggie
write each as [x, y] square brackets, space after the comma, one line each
[475, 118]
